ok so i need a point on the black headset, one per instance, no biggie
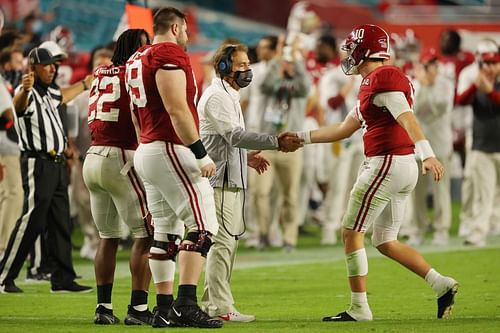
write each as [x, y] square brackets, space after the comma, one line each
[225, 64]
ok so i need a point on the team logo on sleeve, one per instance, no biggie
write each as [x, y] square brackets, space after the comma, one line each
[365, 82]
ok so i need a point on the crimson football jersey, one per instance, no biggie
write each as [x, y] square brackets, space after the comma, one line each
[109, 117]
[153, 119]
[383, 134]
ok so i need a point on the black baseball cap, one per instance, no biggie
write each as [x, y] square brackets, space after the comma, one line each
[40, 56]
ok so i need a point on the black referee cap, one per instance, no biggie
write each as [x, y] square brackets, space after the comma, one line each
[40, 56]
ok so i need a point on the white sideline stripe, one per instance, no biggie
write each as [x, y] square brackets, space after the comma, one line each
[25, 218]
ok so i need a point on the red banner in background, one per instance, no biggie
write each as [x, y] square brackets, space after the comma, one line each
[139, 18]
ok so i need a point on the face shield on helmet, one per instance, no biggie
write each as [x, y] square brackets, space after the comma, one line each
[349, 64]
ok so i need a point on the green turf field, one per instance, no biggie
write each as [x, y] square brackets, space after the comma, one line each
[292, 292]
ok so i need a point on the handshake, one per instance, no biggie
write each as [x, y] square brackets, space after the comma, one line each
[289, 142]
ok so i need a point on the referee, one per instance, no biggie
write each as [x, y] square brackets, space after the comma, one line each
[45, 178]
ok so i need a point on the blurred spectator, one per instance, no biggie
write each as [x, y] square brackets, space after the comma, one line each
[482, 168]
[323, 57]
[286, 86]
[452, 60]
[406, 51]
[323, 60]
[252, 104]
[74, 67]
[340, 165]
[11, 191]
[304, 25]
[31, 31]
[433, 105]
[11, 67]
[11, 39]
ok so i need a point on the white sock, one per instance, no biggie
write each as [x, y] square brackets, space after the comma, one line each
[108, 306]
[359, 309]
[359, 298]
[440, 284]
[141, 307]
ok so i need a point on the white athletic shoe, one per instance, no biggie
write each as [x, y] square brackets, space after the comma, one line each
[328, 237]
[236, 316]
[415, 240]
[440, 239]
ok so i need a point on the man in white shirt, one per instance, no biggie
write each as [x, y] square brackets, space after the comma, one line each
[433, 106]
[223, 133]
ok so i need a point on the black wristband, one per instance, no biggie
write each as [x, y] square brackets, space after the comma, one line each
[85, 86]
[198, 149]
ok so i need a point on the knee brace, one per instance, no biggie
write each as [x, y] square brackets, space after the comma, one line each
[201, 242]
[171, 248]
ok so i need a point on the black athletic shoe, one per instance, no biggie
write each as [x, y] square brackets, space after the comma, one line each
[191, 315]
[10, 287]
[343, 316]
[135, 317]
[445, 302]
[105, 316]
[72, 287]
[160, 319]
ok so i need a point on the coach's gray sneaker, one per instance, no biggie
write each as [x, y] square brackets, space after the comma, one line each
[104, 316]
[237, 317]
[446, 301]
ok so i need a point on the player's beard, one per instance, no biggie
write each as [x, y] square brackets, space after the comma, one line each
[182, 42]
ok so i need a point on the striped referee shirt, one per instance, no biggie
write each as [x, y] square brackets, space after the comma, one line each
[40, 128]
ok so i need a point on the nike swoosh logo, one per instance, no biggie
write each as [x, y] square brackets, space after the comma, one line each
[225, 317]
[165, 321]
[178, 314]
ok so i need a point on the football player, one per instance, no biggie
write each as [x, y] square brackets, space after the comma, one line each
[174, 165]
[389, 173]
[116, 193]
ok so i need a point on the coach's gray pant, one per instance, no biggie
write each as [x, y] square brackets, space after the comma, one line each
[217, 297]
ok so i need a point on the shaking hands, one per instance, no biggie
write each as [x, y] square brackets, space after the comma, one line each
[289, 142]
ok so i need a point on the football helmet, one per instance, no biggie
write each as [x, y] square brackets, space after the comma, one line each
[365, 41]
[63, 36]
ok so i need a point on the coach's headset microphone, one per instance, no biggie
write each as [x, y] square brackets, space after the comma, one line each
[242, 79]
